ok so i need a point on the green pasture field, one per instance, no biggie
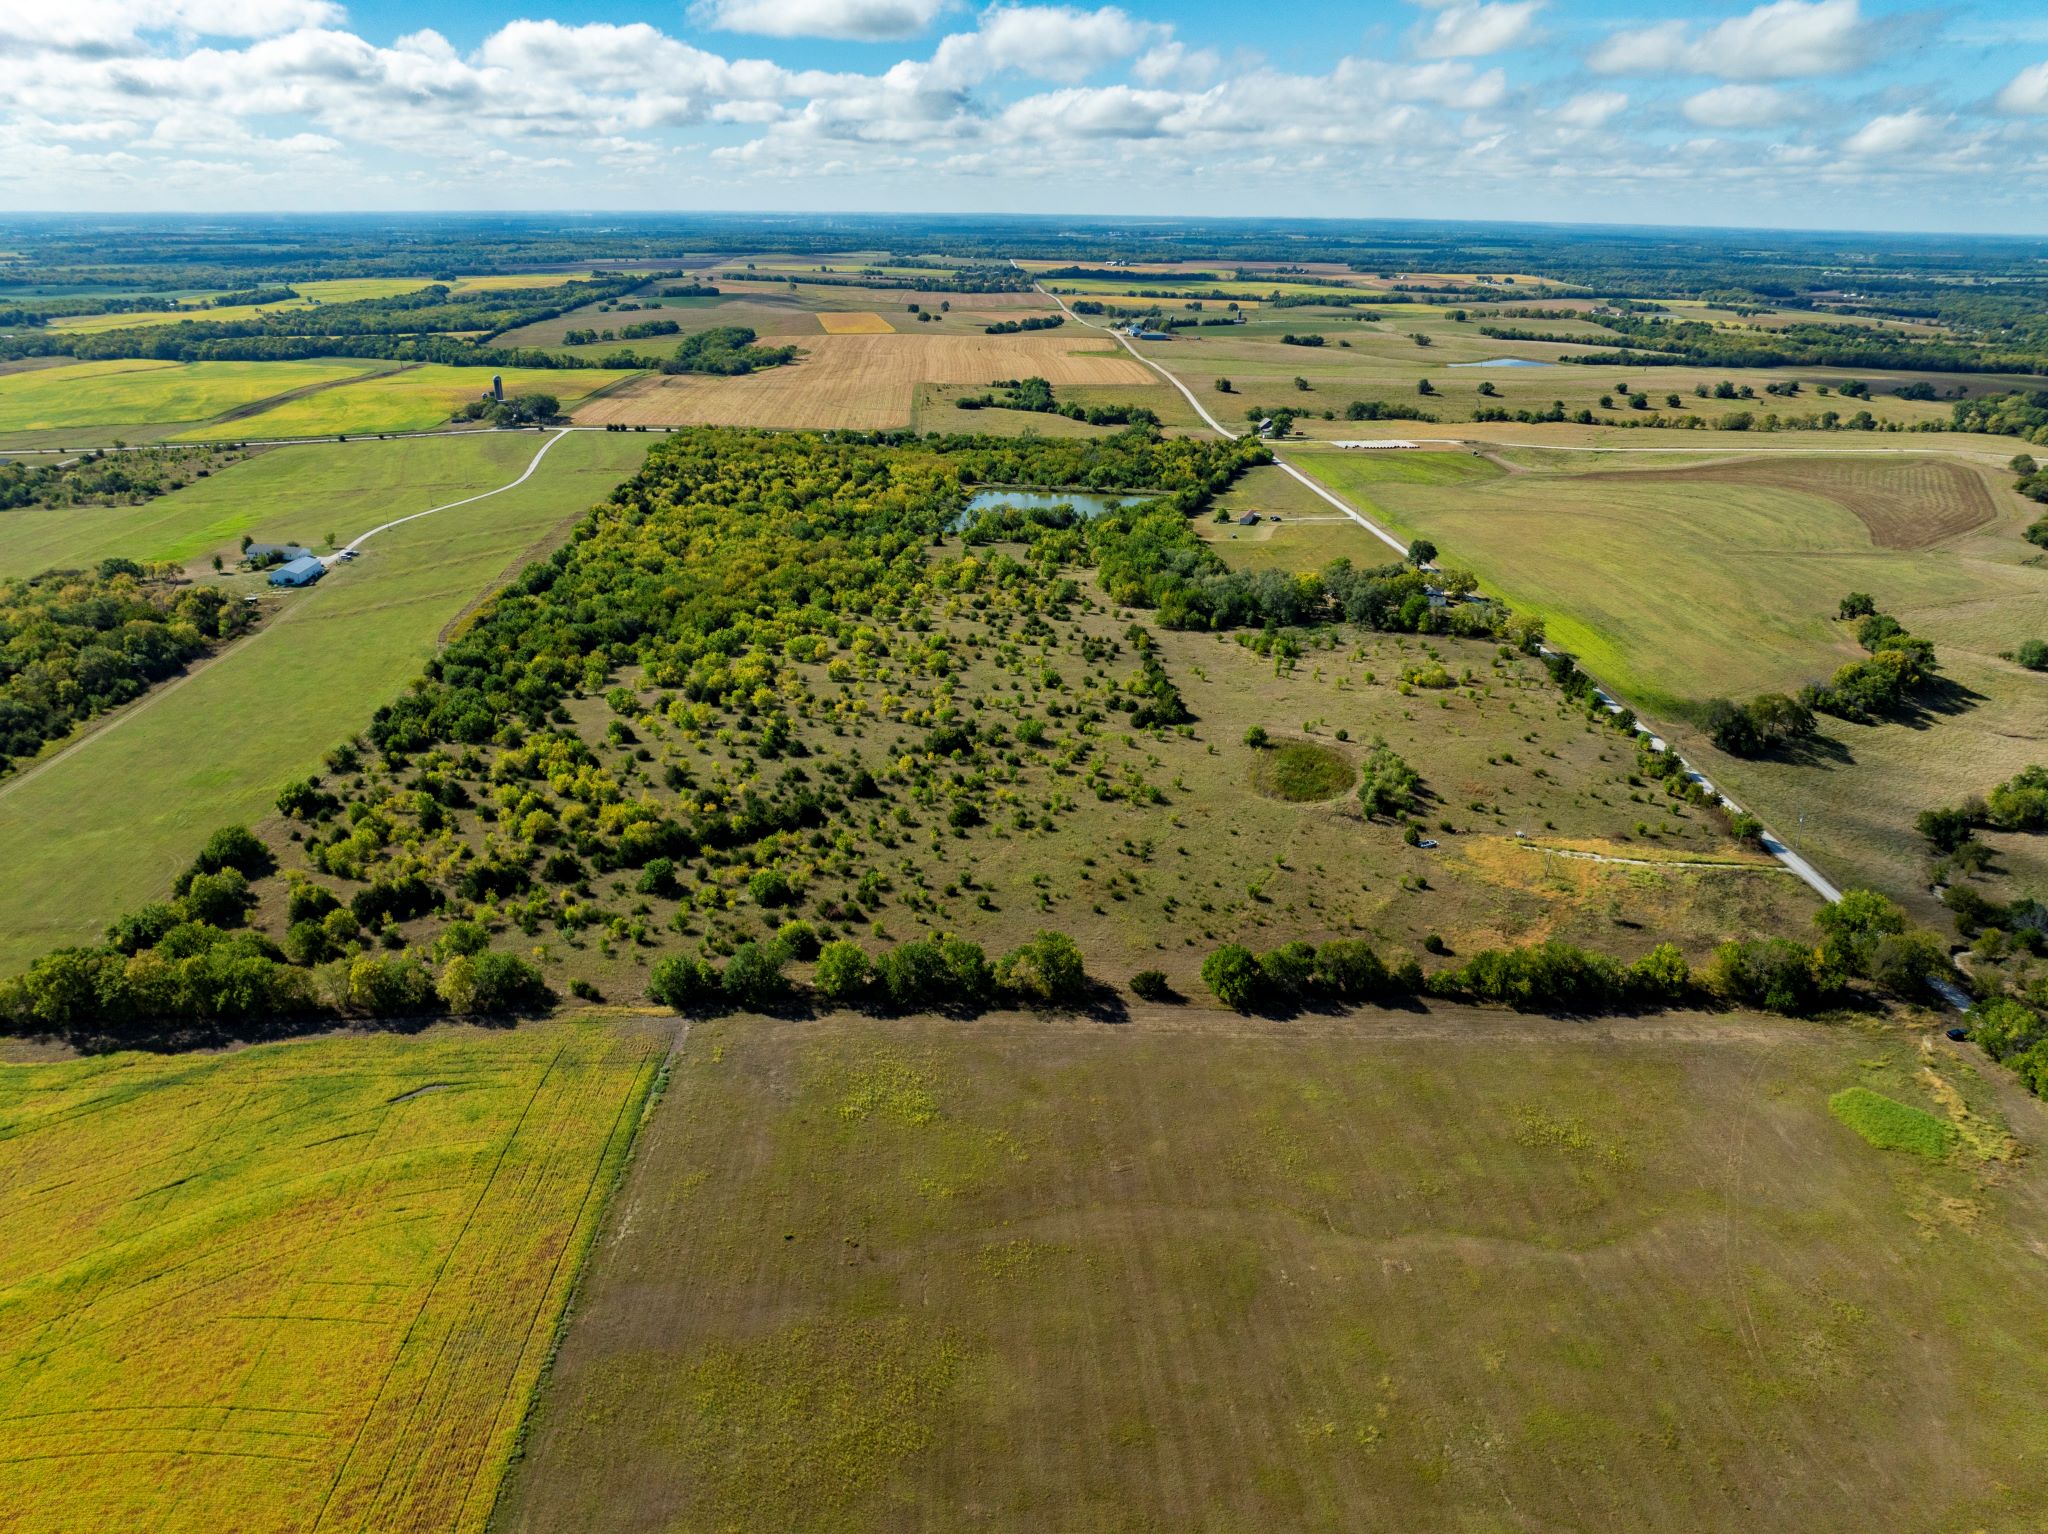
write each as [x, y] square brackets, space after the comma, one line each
[1430, 1270]
[85, 395]
[775, 312]
[1382, 362]
[771, 318]
[1675, 586]
[500, 281]
[340, 290]
[410, 399]
[1295, 544]
[299, 1286]
[107, 827]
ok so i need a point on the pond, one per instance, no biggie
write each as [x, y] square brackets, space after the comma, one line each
[1086, 502]
[1506, 362]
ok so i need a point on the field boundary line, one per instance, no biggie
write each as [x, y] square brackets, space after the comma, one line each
[257, 407]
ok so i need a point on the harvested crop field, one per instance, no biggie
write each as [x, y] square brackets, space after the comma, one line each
[1907, 503]
[842, 322]
[1380, 1272]
[865, 382]
[301, 1287]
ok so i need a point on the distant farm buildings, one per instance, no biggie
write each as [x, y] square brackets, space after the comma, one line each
[302, 571]
[260, 554]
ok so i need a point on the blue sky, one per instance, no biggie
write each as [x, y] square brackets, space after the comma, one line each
[1859, 114]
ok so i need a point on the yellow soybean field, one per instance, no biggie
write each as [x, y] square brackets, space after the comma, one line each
[299, 1287]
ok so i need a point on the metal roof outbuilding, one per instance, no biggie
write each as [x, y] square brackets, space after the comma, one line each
[300, 572]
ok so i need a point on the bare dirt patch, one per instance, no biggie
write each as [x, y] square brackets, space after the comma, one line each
[1907, 503]
[865, 382]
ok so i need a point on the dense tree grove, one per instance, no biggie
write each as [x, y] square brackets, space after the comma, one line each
[104, 478]
[1035, 395]
[2023, 414]
[75, 643]
[726, 350]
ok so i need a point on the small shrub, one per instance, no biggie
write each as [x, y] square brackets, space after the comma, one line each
[1234, 977]
[234, 847]
[844, 972]
[684, 982]
[771, 887]
[1151, 985]
[1349, 970]
[658, 877]
[1775, 974]
[753, 980]
[1047, 970]
[798, 939]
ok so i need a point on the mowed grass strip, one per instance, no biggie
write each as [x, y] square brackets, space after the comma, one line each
[134, 392]
[1892, 1125]
[1351, 1274]
[410, 399]
[306, 1286]
[84, 844]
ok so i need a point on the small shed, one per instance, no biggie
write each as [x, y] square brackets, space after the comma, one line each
[1249, 519]
[300, 572]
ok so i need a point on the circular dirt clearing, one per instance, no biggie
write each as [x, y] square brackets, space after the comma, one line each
[1302, 772]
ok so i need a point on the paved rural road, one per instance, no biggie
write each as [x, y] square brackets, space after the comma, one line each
[1772, 843]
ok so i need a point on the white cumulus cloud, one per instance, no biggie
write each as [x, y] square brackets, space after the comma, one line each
[1896, 133]
[1473, 28]
[854, 20]
[1740, 106]
[1785, 40]
[1591, 109]
[2026, 94]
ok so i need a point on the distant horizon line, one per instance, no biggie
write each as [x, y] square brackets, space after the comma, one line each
[1161, 220]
